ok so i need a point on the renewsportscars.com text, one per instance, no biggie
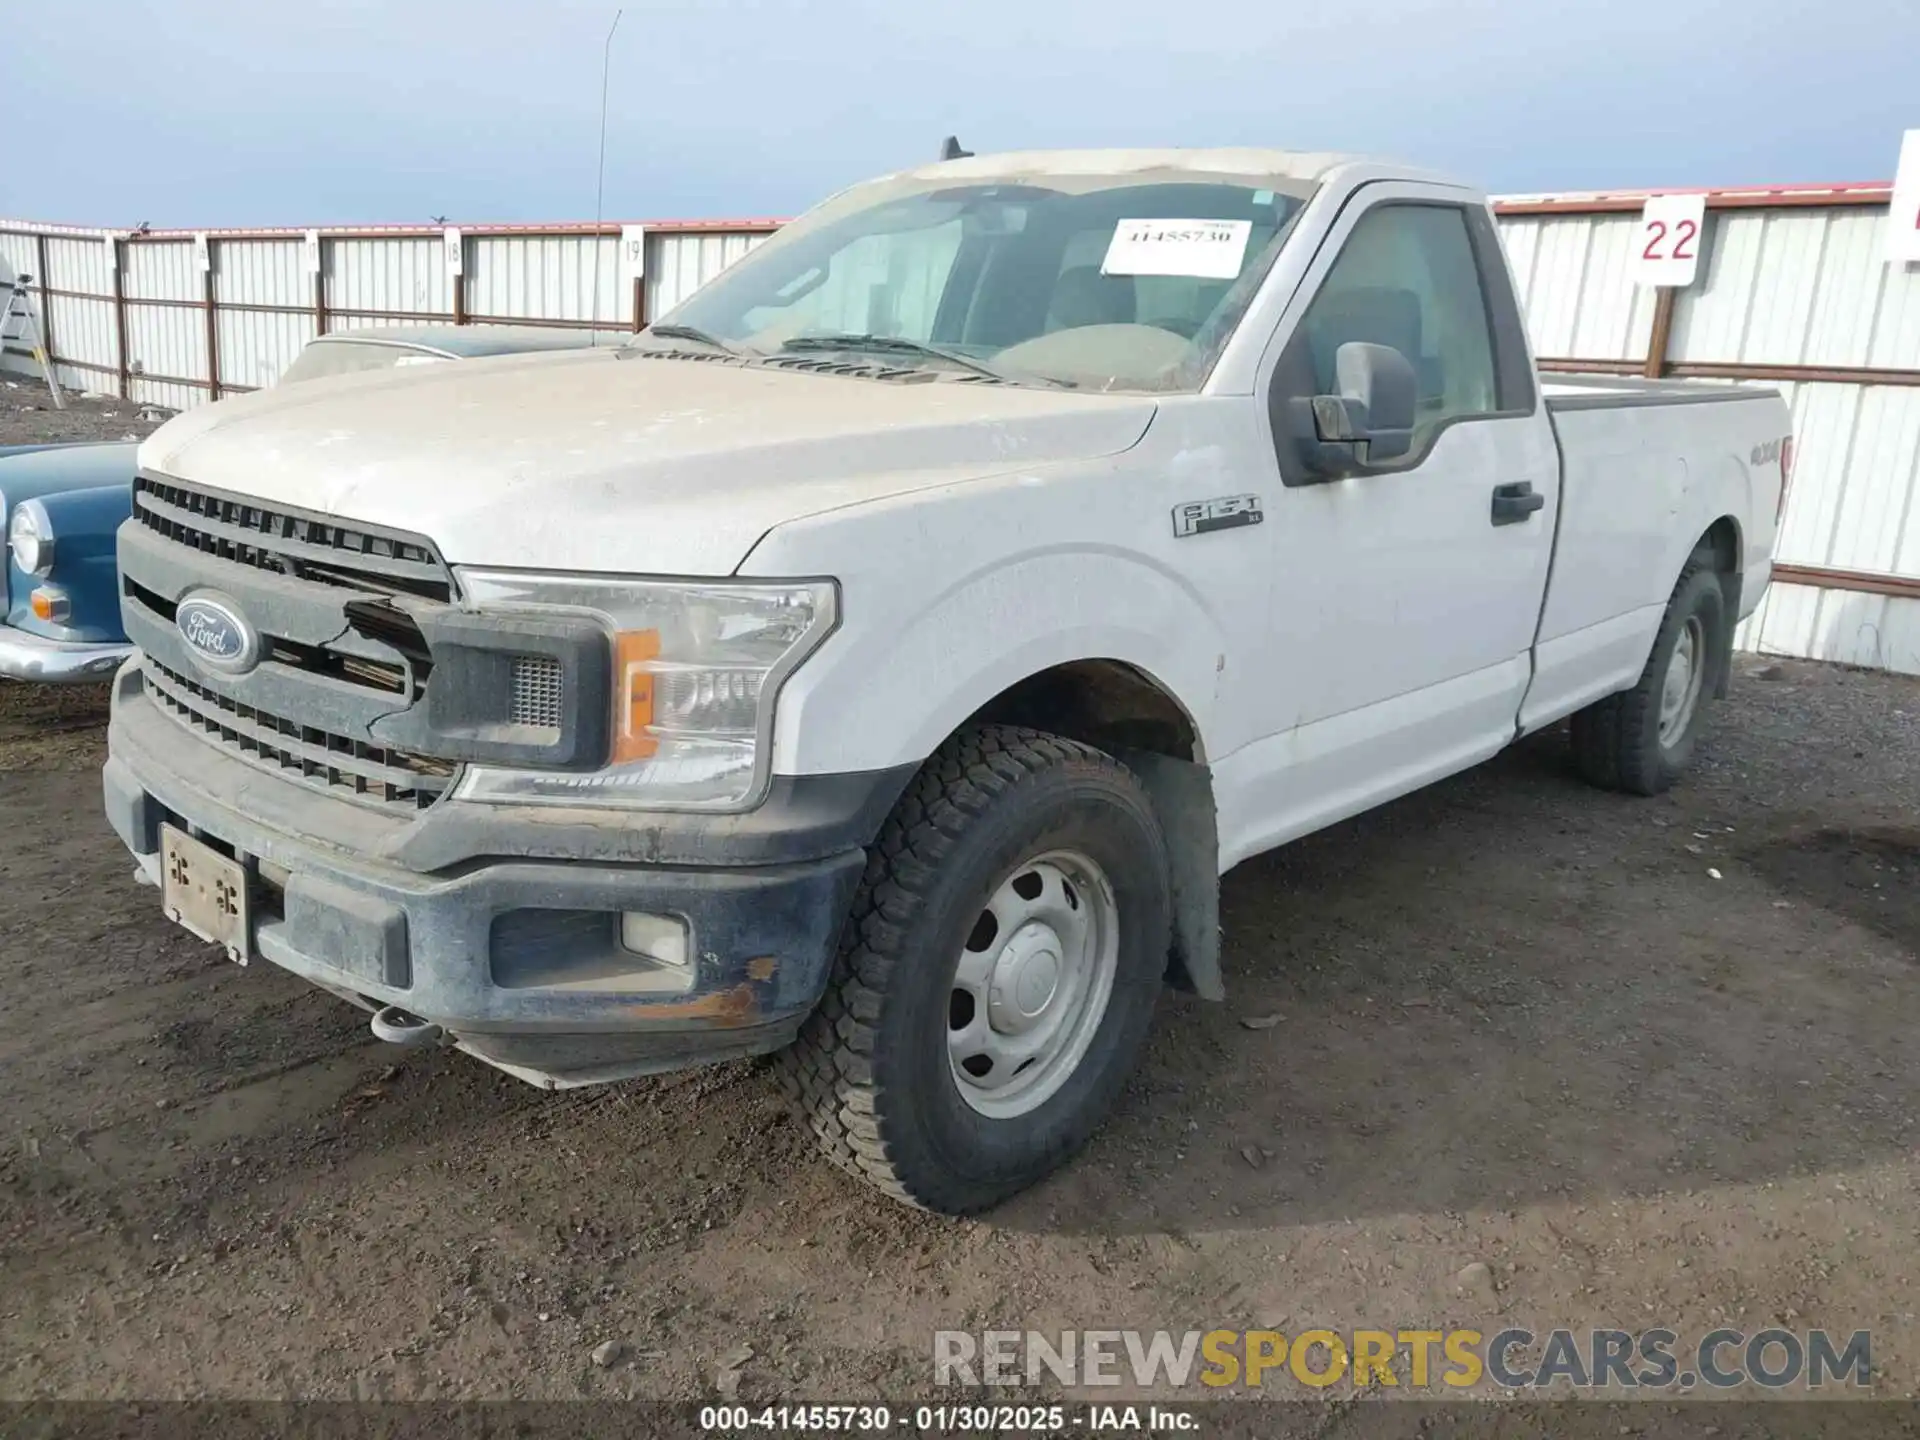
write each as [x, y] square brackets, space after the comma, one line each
[1441, 1360]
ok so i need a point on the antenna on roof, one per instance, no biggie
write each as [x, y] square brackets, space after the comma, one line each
[600, 182]
[950, 149]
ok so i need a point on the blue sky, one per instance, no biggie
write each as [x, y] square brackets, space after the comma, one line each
[209, 112]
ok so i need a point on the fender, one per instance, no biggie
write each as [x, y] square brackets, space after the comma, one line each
[85, 526]
[942, 608]
[912, 679]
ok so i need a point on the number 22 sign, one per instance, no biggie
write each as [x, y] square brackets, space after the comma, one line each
[1666, 248]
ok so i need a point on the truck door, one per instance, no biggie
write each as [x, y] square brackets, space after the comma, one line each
[1405, 594]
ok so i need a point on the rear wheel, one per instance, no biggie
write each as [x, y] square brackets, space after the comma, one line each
[998, 973]
[1641, 740]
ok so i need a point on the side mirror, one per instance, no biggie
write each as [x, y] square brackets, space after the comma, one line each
[1370, 420]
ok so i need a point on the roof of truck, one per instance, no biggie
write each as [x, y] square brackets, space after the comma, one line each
[1305, 168]
[1292, 164]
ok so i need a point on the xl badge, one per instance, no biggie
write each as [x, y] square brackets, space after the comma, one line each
[217, 633]
[1197, 517]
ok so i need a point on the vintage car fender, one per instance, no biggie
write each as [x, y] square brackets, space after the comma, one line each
[86, 491]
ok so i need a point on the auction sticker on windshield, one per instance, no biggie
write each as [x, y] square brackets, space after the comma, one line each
[1205, 249]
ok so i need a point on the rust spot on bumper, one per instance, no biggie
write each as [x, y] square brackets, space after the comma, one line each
[761, 968]
[718, 1009]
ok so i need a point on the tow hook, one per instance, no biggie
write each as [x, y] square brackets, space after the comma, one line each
[398, 1027]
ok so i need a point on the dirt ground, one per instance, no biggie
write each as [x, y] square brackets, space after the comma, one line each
[28, 415]
[1649, 1062]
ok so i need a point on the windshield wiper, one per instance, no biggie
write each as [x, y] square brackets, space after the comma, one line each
[900, 345]
[690, 332]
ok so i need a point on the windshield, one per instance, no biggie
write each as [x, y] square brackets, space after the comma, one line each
[322, 358]
[1130, 282]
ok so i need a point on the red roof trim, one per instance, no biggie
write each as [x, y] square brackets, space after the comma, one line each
[1866, 192]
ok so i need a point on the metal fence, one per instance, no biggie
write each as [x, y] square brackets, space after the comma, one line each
[152, 317]
[1793, 290]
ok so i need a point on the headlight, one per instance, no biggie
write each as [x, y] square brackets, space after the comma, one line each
[696, 669]
[30, 538]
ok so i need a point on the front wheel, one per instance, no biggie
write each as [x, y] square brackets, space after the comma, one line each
[1641, 739]
[998, 974]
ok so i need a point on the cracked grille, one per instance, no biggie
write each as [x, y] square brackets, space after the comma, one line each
[368, 774]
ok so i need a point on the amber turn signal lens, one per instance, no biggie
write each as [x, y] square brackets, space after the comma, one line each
[633, 694]
[48, 605]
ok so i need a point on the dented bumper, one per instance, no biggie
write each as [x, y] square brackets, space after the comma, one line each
[515, 951]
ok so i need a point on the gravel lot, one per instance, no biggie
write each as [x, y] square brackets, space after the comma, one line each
[28, 416]
[1648, 1062]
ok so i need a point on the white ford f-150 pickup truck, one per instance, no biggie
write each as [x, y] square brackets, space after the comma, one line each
[881, 658]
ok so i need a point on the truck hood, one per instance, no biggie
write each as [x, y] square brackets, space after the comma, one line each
[638, 465]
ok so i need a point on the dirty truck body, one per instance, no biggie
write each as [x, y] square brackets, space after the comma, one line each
[881, 658]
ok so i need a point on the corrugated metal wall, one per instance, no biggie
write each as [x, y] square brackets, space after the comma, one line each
[164, 340]
[678, 265]
[551, 277]
[80, 321]
[266, 304]
[1792, 290]
[255, 345]
[372, 277]
[1573, 280]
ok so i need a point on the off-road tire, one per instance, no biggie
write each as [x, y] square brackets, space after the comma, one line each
[1616, 741]
[870, 1074]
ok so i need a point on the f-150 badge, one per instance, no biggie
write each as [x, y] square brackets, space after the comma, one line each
[1197, 517]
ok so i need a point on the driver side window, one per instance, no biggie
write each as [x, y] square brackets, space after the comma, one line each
[1407, 278]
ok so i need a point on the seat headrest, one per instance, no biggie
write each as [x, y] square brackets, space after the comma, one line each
[1083, 296]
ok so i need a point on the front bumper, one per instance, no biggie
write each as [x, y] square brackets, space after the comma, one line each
[518, 958]
[26, 656]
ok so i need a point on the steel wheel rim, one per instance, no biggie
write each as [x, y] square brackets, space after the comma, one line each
[1680, 691]
[1032, 984]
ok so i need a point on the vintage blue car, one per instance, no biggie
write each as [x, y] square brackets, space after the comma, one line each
[62, 504]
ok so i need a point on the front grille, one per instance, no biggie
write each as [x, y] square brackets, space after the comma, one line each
[372, 775]
[537, 691]
[291, 542]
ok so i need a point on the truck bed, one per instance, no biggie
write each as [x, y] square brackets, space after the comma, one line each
[1645, 467]
[1565, 393]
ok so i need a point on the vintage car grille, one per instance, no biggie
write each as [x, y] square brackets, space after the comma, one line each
[370, 774]
[307, 547]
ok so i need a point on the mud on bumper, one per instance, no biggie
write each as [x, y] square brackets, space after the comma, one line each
[518, 959]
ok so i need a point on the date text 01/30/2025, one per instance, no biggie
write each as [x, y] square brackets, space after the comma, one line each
[950, 1419]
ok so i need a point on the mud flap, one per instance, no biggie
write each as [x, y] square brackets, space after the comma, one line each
[1723, 644]
[1182, 795]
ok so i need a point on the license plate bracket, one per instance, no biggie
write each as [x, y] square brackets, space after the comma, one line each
[205, 892]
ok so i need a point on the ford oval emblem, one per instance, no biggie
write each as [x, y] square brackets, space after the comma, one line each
[217, 633]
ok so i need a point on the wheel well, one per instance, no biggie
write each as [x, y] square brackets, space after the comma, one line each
[1723, 539]
[1100, 702]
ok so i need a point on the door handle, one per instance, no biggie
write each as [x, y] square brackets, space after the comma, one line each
[1514, 503]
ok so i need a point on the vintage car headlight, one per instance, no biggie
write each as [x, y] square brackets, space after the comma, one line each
[30, 538]
[696, 670]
